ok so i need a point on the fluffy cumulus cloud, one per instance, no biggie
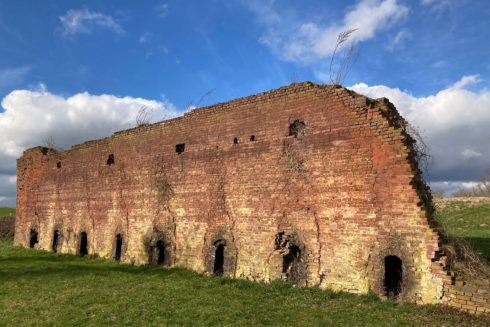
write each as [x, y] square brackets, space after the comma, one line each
[85, 21]
[32, 117]
[311, 41]
[455, 124]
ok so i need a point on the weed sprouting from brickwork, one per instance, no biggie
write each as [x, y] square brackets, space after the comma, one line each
[297, 129]
[294, 159]
[144, 116]
[165, 191]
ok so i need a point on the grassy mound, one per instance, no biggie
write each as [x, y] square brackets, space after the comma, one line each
[46, 289]
[466, 241]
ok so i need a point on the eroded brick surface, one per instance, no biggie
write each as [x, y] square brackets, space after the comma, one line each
[325, 191]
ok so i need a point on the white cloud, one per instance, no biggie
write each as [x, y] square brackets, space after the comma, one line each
[450, 187]
[469, 185]
[13, 76]
[468, 153]
[85, 21]
[161, 10]
[311, 41]
[454, 122]
[145, 38]
[400, 36]
[435, 4]
[31, 116]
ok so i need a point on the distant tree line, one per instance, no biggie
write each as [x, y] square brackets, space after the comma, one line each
[481, 189]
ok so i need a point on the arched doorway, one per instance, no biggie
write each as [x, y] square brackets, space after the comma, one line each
[393, 275]
[291, 264]
[56, 237]
[119, 242]
[160, 252]
[33, 238]
[219, 258]
[83, 244]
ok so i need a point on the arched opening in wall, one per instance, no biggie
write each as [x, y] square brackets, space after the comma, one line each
[235, 140]
[83, 244]
[219, 258]
[56, 237]
[393, 275]
[160, 249]
[110, 159]
[291, 264]
[119, 242]
[33, 238]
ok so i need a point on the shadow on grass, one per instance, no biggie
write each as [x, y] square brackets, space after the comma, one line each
[72, 266]
[481, 245]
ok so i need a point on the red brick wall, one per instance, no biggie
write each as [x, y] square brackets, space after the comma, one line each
[347, 193]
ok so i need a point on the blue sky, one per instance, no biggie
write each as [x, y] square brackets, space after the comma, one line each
[75, 70]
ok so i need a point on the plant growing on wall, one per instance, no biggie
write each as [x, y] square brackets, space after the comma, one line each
[340, 67]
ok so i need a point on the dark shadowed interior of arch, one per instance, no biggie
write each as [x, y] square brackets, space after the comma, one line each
[33, 238]
[83, 244]
[393, 275]
[161, 252]
[219, 260]
[290, 263]
[119, 241]
[56, 236]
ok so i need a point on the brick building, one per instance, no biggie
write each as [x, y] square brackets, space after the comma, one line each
[311, 183]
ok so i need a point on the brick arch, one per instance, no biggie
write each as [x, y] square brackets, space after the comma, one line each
[225, 238]
[393, 246]
[289, 259]
[160, 233]
[58, 226]
[119, 230]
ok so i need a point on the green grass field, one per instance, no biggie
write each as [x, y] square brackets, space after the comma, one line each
[7, 211]
[45, 289]
[469, 222]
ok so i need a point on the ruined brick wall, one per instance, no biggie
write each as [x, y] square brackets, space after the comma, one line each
[308, 182]
[466, 298]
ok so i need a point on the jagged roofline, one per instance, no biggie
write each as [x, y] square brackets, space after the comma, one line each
[392, 112]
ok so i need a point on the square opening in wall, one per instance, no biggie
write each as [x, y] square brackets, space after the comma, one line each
[179, 148]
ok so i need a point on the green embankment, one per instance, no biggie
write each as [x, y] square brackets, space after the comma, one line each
[7, 211]
[471, 222]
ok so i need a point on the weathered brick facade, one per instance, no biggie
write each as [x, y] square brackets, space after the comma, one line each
[308, 182]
